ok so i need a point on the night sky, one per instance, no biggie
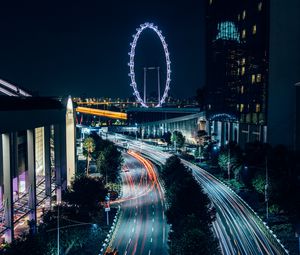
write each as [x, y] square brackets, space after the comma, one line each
[81, 47]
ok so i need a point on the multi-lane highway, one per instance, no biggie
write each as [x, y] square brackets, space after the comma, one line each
[237, 227]
[142, 227]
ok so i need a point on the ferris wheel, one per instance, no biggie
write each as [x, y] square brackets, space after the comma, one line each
[131, 54]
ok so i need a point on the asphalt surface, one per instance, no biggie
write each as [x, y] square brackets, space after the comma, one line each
[238, 228]
[142, 227]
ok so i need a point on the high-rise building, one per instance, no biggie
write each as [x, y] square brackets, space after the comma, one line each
[284, 74]
[237, 58]
[237, 63]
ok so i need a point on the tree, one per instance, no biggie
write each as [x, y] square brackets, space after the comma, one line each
[230, 160]
[178, 139]
[86, 193]
[202, 137]
[109, 163]
[167, 137]
[89, 147]
[193, 239]
[189, 211]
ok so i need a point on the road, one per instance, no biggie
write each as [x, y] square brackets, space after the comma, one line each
[237, 227]
[142, 227]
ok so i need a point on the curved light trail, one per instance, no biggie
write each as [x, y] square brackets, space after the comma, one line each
[237, 226]
[142, 227]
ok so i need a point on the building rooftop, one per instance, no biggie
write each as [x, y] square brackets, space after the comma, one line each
[10, 103]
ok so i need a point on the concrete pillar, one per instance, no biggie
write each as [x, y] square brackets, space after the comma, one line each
[31, 176]
[60, 159]
[47, 156]
[70, 133]
[14, 164]
[5, 160]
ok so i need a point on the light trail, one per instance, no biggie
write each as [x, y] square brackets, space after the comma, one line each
[102, 113]
[141, 226]
[238, 228]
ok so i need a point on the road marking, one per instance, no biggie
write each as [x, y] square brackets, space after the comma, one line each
[149, 252]
[164, 234]
[163, 215]
[153, 213]
[151, 240]
[152, 229]
[152, 219]
[129, 241]
[134, 220]
[125, 253]
[132, 230]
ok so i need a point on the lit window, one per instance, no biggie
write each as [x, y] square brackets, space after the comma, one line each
[243, 61]
[210, 2]
[237, 107]
[241, 107]
[242, 90]
[259, 6]
[244, 14]
[254, 29]
[257, 108]
[253, 78]
[258, 77]
[238, 71]
[243, 70]
[244, 33]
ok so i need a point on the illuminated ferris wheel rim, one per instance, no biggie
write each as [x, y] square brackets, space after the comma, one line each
[131, 63]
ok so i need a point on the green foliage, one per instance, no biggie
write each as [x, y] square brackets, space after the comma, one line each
[88, 149]
[86, 193]
[27, 245]
[109, 163]
[231, 157]
[189, 211]
[259, 183]
[197, 152]
[193, 240]
[274, 209]
[167, 138]
[178, 138]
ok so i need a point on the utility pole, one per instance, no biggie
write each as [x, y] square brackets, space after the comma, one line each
[266, 190]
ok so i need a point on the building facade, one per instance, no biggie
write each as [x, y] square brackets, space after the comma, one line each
[37, 156]
[237, 64]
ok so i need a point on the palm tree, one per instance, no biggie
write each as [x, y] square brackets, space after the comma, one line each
[89, 147]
